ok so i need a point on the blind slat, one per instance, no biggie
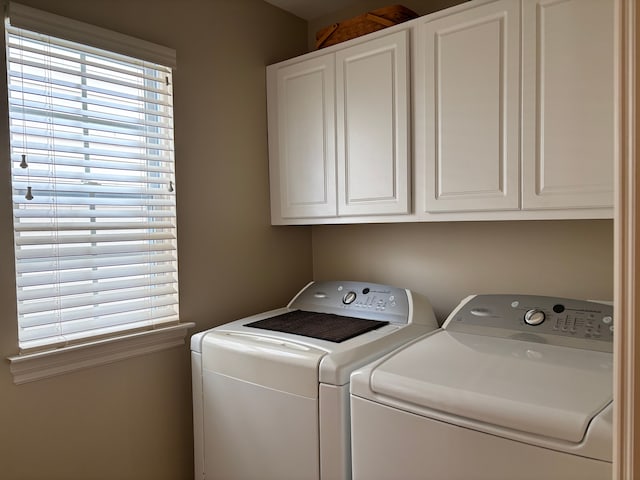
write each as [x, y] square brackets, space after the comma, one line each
[80, 201]
[29, 76]
[50, 97]
[44, 132]
[59, 278]
[62, 315]
[96, 238]
[67, 193]
[34, 47]
[92, 115]
[96, 125]
[39, 227]
[97, 327]
[157, 166]
[133, 212]
[90, 262]
[70, 251]
[87, 151]
[49, 305]
[104, 286]
[87, 176]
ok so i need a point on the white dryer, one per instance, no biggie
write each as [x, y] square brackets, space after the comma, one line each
[513, 387]
[271, 391]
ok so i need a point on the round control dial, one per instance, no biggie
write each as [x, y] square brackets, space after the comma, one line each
[349, 297]
[534, 317]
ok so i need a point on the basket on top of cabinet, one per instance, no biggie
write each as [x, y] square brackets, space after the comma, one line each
[363, 24]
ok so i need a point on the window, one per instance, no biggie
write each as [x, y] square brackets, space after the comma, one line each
[92, 162]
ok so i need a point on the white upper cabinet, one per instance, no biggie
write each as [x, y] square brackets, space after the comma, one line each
[354, 102]
[467, 109]
[568, 97]
[372, 107]
[301, 101]
[488, 110]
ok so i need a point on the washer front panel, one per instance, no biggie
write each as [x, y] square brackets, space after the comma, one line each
[390, 443]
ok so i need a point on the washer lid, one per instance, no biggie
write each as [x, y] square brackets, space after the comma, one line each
[534, 388]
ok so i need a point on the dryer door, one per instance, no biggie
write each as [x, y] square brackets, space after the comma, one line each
[528, 387]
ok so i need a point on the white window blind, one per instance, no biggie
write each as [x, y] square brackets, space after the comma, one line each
[93, 191]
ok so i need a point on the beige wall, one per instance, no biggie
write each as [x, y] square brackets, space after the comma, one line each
[448, 261]
[132, 419]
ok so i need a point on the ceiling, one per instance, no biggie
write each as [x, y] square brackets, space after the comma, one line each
[308, 9]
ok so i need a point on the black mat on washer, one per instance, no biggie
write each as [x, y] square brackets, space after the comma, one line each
[324, 326]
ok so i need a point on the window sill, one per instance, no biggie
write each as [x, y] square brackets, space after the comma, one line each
[30, 367]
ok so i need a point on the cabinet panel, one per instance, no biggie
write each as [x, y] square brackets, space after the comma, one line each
[568, 103]
[305, 146]
[468, 77]
[372, 94]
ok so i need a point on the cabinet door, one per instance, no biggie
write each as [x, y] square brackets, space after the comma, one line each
[302, 144]
[568, 103]
[372, 101]
[467, 109]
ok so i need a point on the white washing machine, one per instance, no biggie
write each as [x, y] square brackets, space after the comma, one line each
[513, 387]
[271, 392]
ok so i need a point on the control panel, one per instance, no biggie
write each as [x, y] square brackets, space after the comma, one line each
[356, 299]
[547, 317]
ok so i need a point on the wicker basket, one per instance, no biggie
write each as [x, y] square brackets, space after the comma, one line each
[363, 24]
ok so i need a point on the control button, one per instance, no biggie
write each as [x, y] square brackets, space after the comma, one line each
[481, 312]
[534, 317]
[515, 304]
[392, 298]
[607, 319]
[365, 290]
[349, 297]
[558, 308]
[571, 323]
